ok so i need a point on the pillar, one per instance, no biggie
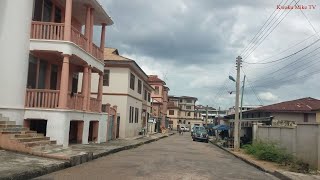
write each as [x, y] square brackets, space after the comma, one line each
[91, 29]
[67, 20]
[48, 76]
[100, 89]
[59, 77]
[89, 88]
[115, 122]
[84, 89]
[103, 37]
[64, 83]
[88, 27]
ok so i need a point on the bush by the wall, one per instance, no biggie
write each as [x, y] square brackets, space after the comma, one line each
[269, 151]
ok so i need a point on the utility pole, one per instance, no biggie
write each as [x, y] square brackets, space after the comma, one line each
[206, 115]
[242, 91]
[236, 115]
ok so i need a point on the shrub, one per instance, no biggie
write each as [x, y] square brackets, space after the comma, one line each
[269, 151]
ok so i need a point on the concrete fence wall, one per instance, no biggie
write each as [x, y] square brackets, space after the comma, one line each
[303, 141]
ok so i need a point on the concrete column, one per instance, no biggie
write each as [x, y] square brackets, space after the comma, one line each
[89, 88]
[115, 125]
[91, 29]
[100, 89]
[48, 76]
[254, 131]
[67, 20]
[103, 37]
[84, 90]
[85, 134]
[64, 83]
[88, 27]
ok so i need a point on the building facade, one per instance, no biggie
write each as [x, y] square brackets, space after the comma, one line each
[159, 101]
[182, 111]
[46, 47]
[213, 114]
[125, 85]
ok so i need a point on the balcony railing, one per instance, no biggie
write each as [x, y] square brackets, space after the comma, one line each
[75, 101]
[55, 31]
[78, 38]
[42, 98]
[47, 30]
[95, 105]
[49, 99]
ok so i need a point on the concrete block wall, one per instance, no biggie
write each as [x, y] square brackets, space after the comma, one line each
[303, 141]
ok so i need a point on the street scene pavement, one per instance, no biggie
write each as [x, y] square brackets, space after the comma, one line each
[175, 157]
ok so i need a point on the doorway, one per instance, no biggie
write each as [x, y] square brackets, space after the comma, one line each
[39, 125]
[75, 132]
[93, 131]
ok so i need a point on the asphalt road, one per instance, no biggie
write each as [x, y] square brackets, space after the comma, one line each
[175, 157]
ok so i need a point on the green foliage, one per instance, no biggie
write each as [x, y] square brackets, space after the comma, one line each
[269, 151]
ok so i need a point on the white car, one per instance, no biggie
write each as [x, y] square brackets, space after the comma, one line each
[182, 128]
[186, 129]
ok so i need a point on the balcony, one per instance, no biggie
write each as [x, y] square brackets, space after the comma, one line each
[55, 32]
[49, 99]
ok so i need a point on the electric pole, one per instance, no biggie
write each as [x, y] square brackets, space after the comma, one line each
[242, 91]
[207, 115]
[236, 115]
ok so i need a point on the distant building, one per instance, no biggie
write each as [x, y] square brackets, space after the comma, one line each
[244, 108]
[125, 84]
[213, 113]
[182, 111]
[159, 101]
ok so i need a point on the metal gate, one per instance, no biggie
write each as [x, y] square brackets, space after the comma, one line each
[110, 127]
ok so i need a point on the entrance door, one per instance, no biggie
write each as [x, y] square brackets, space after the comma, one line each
[110, 127]
[75, 132]
[118, 126]
[93, 131]
[38, 125]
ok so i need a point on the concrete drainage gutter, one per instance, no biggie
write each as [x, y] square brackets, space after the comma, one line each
[74, 161]
[277, 174]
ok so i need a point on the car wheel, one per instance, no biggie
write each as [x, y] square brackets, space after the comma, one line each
[193, 139]
[207, 141]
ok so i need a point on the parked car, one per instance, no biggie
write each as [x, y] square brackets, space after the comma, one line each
[186, 129]
[182, 128]
[200, 134]
[193, 129]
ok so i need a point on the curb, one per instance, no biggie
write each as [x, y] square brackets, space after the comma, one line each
[277, 174]
[74, 161]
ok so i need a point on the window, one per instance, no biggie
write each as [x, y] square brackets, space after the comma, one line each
[149, 97]
[139, 86]
[106, 75]
[136, 117]
[145, 95]
[189, 114]
[131, 114]
[132, 79]
[188, 107]
[171, 112]
[156, 90]
[189, 101]
[305, 117]
[181, 100]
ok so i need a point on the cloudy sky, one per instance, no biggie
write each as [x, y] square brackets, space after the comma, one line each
[193, 46]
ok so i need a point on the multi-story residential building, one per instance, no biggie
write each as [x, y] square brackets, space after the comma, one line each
[43, 42]
[125, 84]
[244, 108]
[159, 101]
[213, 113]
[181, 111]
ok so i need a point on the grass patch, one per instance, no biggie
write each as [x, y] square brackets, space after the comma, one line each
[269, 151]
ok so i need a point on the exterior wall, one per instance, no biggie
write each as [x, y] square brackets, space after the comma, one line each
[58, 123]
[302, 141]
[132, 129]
[297, 117]
[14, 46]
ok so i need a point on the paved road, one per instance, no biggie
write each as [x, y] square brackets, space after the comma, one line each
[175, 157]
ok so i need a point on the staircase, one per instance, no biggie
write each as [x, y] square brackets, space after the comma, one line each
[20, 139]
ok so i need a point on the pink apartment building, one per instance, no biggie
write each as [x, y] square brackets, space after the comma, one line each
[159, 100]
[44, 45]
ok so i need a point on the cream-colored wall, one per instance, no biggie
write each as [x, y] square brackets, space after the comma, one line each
[132, 129]
[134, 92]
[297, 117]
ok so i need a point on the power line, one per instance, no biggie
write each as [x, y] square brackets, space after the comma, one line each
[251, 86]
[252, 40]
[258, 44]
[285, 56]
